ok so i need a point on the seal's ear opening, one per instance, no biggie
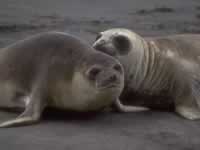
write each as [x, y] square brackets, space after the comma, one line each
[122, 44]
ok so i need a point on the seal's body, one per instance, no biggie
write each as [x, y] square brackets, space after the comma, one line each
[160, 72]
[57, 70]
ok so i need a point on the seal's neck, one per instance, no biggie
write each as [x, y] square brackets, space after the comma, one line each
[140, 58]
[147, 70]
[136, 63]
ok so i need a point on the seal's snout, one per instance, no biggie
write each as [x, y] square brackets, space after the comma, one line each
[109, 81]
[96, 70]
[105, 47]
[99, 46]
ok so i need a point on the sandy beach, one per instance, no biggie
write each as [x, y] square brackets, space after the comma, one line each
[108, 131]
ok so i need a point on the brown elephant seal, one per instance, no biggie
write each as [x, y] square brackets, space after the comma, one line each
[160, 71]
[58, 70]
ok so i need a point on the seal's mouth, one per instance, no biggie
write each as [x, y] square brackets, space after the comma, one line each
[108, 86]
[108, 49]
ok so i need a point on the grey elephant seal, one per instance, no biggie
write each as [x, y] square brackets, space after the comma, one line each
[58, 70]
[160, 71]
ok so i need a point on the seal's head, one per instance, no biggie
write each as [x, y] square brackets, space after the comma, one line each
[123, 44]
[98, 81]
[116, 42]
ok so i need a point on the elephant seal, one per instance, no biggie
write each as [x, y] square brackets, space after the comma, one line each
[161, 72]
[55, 69]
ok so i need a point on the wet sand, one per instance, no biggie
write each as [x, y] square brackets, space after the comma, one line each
[19, 19]
[140, 131]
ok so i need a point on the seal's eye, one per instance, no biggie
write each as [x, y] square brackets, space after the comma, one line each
[122, 44]
[118, 68]
[98, 36]
[93, 72]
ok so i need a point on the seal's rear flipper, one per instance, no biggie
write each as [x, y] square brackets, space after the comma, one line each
[124, 108]
[188, 112]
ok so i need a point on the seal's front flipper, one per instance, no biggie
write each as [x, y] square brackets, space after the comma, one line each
[196, 89]
[189, 107]
[124, 108]
[187, 74]
[19, 121]
[31, 114]
[187, 112]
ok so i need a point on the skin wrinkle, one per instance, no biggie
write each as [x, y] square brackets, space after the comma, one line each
[147, 59]
[151, 64]
[160, 72]
[149, 73]
[145, 63]
[141, 68]
[155, 74]
[158, 75]
[145, 71]
[137, 64]
[164, 74]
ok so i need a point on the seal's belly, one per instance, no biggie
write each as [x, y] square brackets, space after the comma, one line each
[63, 97]
[68, 101]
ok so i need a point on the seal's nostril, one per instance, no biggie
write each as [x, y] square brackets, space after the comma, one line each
[118, 68]
[98, 36]
[113, 78]
[93, 72]
[97, 46]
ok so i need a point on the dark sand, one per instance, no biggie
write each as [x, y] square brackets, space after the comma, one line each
[107, 131]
